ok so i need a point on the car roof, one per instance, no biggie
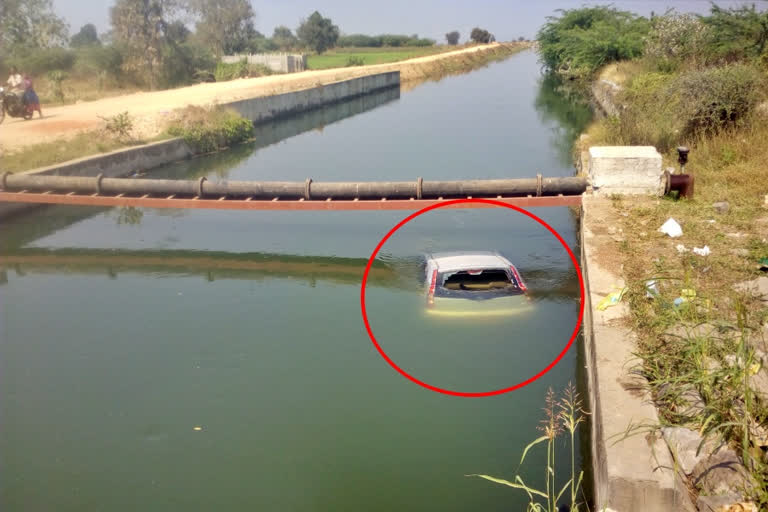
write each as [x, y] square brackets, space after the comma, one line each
[466, 260]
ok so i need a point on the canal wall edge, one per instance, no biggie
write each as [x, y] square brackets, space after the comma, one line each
[633, 468]
[125, 162]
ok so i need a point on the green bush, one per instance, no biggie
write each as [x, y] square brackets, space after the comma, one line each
[666, 110]
[355, 60]
[714, 98]
[225, 72]
[208, 130]
[578, 42]
[40, 61]
[738, 33]
[256, 70]
[677, 39]
[359, 41]
[119, 127]
[92, 60]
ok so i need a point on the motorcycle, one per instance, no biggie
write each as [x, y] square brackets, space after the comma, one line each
[11, 104]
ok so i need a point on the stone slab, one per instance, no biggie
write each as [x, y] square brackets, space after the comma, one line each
[626, 170]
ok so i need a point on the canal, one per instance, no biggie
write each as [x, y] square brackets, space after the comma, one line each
[201, 360]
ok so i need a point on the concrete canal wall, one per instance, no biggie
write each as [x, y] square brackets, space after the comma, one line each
[271, 107]
[125, 162]
[633, 468]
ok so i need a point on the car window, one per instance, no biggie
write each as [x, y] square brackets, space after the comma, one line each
[479, 280]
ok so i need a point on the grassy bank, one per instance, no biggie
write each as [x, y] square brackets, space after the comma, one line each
[343, 57]
[205, 130]
[701, 337]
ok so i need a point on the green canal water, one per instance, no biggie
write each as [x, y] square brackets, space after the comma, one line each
[217, 360]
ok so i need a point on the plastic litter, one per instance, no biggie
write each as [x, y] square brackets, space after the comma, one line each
[611, 299]
[686, 295]
[671, 228]
[702, 251]
[681, 248]
[651, 289]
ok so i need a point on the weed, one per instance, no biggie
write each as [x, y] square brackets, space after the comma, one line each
[119, 126]
[562, 416]
[210, 129]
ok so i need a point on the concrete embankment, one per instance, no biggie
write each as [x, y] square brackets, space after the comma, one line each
[270, 107]
[633, 468]
[125, 162]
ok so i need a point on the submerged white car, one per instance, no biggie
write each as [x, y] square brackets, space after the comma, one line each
[474, 284]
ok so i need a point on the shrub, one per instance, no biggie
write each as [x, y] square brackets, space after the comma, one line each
[714, 98]
[452, 37]
[119, 127]
[359, 41]
[57, 77]
[580, 41]
[39, 61]
[665, 110]
[91, 60]
[677, 38]
[225, 72]
[255, 70]
[207, 130]
[355, 60]
[738, 33]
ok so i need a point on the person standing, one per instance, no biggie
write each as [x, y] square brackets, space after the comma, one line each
[30, 99]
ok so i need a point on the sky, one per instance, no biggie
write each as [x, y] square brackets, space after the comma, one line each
[507, 19]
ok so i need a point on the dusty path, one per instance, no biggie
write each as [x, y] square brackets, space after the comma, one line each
[150, 109]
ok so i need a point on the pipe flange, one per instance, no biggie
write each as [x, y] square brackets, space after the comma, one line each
[538, 185]
[98, 183]
[419, 187]
[307, 189]
[3, 178]
[200, 182]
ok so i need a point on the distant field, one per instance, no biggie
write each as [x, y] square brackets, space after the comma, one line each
[338, 58]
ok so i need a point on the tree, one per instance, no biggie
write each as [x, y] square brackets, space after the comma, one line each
[226, 26]
[30, 23]
[738, 32]
[86, 37]
[283, 38]
[318, 33]
[452, 37]
[140, 28]
[480, 35]
[580, 41]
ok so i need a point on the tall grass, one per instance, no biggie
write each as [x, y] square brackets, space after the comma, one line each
[563, 416]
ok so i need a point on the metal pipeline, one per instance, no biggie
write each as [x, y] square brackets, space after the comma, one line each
[286, 190]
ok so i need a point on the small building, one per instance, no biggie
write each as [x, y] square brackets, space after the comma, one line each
[278, 62]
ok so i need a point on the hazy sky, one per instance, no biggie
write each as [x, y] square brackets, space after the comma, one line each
[507, 19]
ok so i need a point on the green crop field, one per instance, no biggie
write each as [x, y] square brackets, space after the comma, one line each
[339, 58]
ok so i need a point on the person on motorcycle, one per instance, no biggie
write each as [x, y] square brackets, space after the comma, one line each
[15, 81]
[30, 99]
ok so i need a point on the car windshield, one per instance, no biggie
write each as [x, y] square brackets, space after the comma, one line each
[480, 281]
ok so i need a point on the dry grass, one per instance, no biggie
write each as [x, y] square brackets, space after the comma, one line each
[84, 144]
[620, 72]
[731, 166]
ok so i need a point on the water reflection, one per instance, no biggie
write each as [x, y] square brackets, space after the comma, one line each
[401, 273]
[565, 110]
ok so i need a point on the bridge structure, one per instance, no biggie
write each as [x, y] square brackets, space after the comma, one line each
[279, 195]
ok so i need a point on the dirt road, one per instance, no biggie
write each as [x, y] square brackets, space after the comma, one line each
[150, 109]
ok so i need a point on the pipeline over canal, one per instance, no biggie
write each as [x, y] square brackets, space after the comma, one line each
[284, 195]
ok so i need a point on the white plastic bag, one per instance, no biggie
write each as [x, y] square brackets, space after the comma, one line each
[702, 251]
[671, 228]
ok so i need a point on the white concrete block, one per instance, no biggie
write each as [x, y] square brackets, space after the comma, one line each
[626, 170]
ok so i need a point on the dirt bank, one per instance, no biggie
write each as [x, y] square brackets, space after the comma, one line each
[150, 109]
